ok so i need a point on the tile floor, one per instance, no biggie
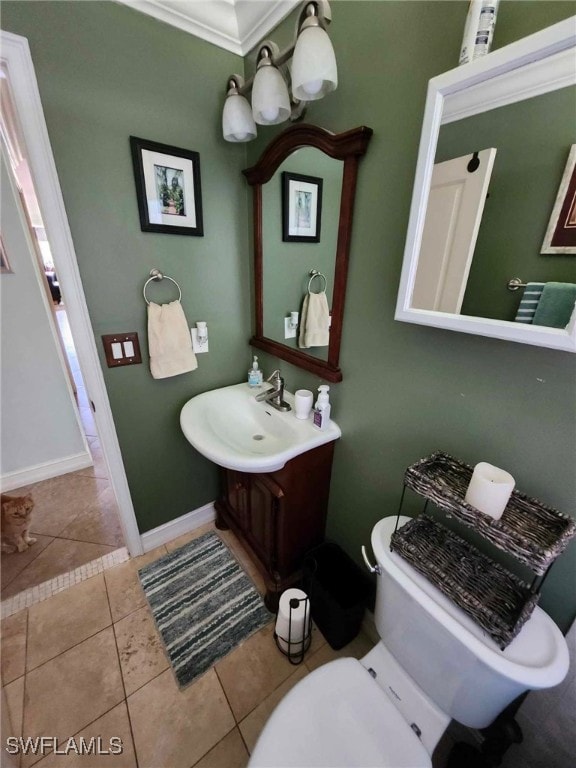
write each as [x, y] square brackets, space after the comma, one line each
[89, 662]
[75, 519]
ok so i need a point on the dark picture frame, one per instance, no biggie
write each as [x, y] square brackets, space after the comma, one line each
[560, 237]
[301, 208]
[168, 188]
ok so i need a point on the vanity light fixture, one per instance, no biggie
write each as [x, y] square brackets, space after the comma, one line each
[313, 74]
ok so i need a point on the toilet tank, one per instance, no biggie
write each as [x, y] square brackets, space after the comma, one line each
[451, 657]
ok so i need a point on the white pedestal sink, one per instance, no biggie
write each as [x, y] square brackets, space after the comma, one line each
[229, 427]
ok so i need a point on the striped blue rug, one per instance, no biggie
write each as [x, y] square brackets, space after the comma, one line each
[203, 603]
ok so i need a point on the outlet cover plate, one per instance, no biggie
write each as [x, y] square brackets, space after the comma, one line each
[289, 332]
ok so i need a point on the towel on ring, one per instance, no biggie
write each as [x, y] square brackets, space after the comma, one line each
[314, 321]
[529, 302]
[169, 341]
[556, 305]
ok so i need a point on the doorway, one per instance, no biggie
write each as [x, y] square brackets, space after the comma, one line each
[91, 506]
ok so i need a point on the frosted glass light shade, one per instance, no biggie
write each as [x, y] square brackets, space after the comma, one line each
[270, 99]
[314, 70]
[237, 120]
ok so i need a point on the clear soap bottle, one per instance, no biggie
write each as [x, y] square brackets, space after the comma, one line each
[255, 377]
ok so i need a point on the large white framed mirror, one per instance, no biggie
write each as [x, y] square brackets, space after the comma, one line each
[510, 118]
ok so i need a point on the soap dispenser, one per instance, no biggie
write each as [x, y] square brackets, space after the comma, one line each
[255, 377]
[322, 407]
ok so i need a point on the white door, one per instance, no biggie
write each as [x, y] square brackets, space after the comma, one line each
[453, 215]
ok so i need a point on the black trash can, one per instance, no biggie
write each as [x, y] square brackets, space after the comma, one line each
[338, 591]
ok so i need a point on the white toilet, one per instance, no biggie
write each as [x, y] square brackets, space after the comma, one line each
[432, 664]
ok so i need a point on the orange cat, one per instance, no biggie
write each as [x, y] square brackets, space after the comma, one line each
[16, 520]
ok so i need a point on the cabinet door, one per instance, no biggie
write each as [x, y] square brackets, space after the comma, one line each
[265, 507]
[237, 495]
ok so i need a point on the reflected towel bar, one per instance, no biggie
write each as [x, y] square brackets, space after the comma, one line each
[515, 283]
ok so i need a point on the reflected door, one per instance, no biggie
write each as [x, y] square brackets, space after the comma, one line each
[455, 206]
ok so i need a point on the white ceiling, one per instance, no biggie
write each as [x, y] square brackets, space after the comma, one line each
[236, 25]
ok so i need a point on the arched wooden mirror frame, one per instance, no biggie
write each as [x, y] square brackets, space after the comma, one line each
[348, 147]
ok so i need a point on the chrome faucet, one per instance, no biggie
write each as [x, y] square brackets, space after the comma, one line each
[275, 396]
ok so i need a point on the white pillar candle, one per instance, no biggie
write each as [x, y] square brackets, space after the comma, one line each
[296, 632]
[489, 489]
[303, 403]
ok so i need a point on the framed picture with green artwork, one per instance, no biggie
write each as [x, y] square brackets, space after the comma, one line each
[168, 188]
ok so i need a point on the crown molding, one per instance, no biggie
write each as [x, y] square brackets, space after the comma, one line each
[235, 25]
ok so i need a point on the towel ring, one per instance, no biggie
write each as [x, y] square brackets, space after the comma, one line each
[314, 273]
[155, 274]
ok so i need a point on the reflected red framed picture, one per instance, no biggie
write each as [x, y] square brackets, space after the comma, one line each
[560, 236]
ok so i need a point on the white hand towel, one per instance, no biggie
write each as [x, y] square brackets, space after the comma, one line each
[169, 341]
[314, 321]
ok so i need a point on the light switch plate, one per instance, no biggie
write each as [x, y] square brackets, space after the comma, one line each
[289, 332]
[121, 349]
[196, 345]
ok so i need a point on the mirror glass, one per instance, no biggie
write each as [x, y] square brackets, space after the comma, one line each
[286, 265]
[304, 186]
[531, 154]
[496, 141]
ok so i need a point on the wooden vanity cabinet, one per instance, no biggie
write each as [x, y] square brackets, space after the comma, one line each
[278, 516]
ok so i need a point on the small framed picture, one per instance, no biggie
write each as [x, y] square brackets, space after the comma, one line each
[167, 188]
[560, 237]
[301, 208]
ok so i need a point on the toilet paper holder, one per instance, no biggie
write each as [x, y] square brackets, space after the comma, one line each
[293, 628]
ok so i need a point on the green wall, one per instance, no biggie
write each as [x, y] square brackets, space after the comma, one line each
[409, 390]
[532, 150]
[106, 72]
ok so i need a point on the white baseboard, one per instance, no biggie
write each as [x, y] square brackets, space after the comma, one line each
[181, 525]
[46, 471]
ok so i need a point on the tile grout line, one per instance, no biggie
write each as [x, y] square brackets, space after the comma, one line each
[39, 552]
[236, 722]
[25, 683]
[61, 653]
[134, 750]
[46, 589]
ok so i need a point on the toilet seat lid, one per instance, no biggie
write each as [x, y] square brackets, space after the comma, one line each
[338, 716]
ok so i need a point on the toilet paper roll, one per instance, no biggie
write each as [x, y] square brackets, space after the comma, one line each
[490, 489]
[292, 636]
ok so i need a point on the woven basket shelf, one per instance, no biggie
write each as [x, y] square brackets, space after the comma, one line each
[532, 532]
[495, 598]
